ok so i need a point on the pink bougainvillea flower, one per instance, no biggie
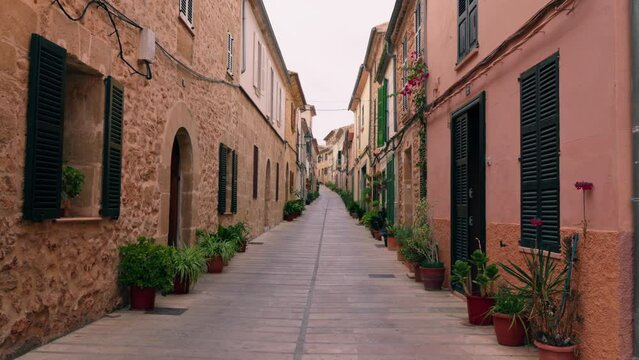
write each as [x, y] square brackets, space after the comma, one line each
[536, 222]
[583, 185]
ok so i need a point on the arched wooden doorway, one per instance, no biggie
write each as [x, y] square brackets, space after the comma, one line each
[181, 188]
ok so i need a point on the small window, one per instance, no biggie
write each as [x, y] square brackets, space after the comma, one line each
[258, 68]
[277, 182]
[466, 27]
[271, 97]
[279, 107]
[227, 181]
[186, 12]
[75, 118]
[229, 54]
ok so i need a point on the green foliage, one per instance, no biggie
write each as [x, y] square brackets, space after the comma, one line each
[228, 250]
[147, 265]
[367, 219]
[391, 230]
[403, 234]
[311, 196]
[72, 182]
[509, 302]
[552, 308]
[210, 245]
[485, 277]
[188, 263]
[424, 239]
[294, 207]
[425, 263]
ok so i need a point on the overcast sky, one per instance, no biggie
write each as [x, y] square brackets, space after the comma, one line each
[325, 41]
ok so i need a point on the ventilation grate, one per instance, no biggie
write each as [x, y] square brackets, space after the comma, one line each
[256, 243]
[381, 276]
[166, 311]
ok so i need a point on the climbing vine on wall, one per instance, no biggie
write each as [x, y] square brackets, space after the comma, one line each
[422, 158]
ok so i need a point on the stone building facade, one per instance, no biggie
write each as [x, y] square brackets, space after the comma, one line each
[158, 162]
[471, 150]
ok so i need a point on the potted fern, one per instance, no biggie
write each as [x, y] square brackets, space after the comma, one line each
[188, 265]
[508, 317]
[479, 302]
[72, 183]
[391, 240]
[212, 248]
[431, 269]
[145, 267]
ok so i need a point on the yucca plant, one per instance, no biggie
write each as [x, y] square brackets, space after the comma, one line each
[188, 264]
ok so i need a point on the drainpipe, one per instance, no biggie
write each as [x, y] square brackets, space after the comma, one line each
[634, 101]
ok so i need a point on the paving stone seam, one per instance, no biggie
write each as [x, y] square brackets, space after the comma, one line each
[299, 347]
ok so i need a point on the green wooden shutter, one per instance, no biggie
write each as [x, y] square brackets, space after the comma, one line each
[385, 111]
[460, 188]
[234, 185]
[390, 190]
[472, 24]
[462, 28]
[112, 148]
[380, 116]
[221, 190]
[45, 124]
[540, 154]
[256, 168]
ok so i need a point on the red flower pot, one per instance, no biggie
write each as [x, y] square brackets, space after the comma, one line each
[549, 352]
[377, 235]
[509, 333]
[242, 248]
[418, 273]
[181, 287]
[433, 278]
[142, 298]
[215, 265]
[289, 217]
[478, 308]
[392, 243]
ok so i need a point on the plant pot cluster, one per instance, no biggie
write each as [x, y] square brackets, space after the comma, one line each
[293, 209]
[147, 267]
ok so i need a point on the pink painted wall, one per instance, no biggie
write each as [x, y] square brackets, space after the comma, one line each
[593, 43]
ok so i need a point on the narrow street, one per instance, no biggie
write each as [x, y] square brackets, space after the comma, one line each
[305, 290]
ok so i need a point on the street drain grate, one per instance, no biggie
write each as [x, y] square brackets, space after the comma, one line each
[380, 245]
[256, 243]
[166, 311]
[381, 276]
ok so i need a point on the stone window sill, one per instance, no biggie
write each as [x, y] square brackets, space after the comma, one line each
[78, 219]
[526, 250]
[463, 62]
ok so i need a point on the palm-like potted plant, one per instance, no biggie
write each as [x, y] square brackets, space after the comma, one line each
[479, 302]
[212, 248]
[72, 183]
[145, 267]
[508, 316]
[188, 265]
[553, 295]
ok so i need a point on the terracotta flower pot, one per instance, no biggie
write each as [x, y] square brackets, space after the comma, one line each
[418, 273]
[433, 278]
[391, 243]
[215, 265]
[549, 352]
[181, 287]
[377, 235]
[478, 308]
[509, 333]
[142, 298]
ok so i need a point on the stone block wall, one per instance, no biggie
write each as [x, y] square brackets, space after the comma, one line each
[57, 276]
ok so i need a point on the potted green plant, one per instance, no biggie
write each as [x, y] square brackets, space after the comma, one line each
[432, 270]
[508, 317]
[553, 295]
[290, 209]
[212, 248]
[228, 252]
[145, 267]
[241, 234]
[188, 265]
[402, 234]
[478, 302]
[391, 240]
[72, 183]
[413, 257]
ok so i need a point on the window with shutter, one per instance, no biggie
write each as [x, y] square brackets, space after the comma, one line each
[222, 178]
[234, 185]
[277, 182]
[539, 92]
[186, 12]
[112, 153]
[229, 53]
[418, 28]
[467, 22]
[256, 153]
[45, 119]
[381, 115]
[404, 71]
